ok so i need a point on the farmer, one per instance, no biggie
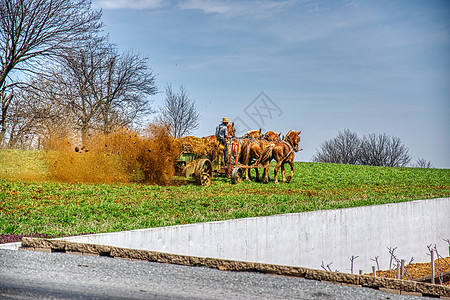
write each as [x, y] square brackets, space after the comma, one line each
[222, 136]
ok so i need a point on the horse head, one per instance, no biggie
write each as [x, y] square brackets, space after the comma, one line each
[293, 138]
[231, 130]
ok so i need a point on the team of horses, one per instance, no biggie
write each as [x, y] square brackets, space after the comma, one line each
[257, 149]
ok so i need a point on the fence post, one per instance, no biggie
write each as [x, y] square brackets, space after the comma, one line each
[360, 272]
[374, 272]
[432, 266]
[402, 268]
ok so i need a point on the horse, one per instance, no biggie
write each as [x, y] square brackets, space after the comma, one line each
[252, 149]
[253, 134]
[231, 131]
[272, 136]
[210, 138]
[283, 152]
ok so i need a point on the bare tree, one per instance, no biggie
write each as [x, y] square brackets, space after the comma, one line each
[383, 150]
[123, 87]
[102, 88]
[423, 163]
[21, 125]
[33, 120]
[179, 112]
[343, 149]
[33, 30]
[373, 149]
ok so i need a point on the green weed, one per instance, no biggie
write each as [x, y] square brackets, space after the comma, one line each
[59, 209]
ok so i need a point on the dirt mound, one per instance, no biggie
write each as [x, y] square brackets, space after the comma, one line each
[121, 156]
[419, 270]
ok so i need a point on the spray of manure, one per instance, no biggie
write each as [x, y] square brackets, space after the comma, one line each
[121, 156]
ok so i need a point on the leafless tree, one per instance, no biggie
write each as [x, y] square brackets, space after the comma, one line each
[21, 125]
[179, 112]
[33, 31]
[423, 163]
[101, 87]
[33, 120]
[343, 149]
[384, 150]
[124, 86]
[373, 149]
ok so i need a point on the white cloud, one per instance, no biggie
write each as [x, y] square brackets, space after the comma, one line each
[131, 4]
[228, 8]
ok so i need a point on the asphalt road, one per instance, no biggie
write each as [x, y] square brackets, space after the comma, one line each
[37, 275]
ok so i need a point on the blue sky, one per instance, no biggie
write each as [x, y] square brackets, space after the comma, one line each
[315, 66]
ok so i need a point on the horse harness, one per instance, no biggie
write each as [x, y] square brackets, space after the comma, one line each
[290, 151]
[234, 148]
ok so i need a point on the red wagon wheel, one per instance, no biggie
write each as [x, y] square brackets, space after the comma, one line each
[203, 172]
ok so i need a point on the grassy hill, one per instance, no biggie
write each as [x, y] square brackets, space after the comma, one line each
[30, 203]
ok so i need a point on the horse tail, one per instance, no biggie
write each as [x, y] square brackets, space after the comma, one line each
[266, 154]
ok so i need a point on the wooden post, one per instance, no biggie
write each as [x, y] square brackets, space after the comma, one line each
[360, 272]
[402, 268]
[374, 272]
[432, 266]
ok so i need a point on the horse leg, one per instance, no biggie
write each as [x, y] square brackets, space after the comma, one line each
[275, 172]
[246, 162]
[283, 173]
[249, 171]
[257, 175]
[266, 173]
[291, 163]
[248, 175]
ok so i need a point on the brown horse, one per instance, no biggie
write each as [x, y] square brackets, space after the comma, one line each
[231, 131]
[272, 136]
[252, 149]
[210, 138]
[251, 155]
[253, 134]
[283, 152]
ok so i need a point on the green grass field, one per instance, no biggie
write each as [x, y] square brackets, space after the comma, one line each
[35, 204]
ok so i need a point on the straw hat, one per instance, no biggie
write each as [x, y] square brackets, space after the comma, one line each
[225, 120]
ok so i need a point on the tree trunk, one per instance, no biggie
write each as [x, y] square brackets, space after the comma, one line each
[84, 135]
[3, 130]
[6, 100]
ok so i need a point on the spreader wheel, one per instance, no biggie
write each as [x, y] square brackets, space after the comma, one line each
[203, 172]
[236, 175]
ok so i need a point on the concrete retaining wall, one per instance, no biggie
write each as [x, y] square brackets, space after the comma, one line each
[304, 239]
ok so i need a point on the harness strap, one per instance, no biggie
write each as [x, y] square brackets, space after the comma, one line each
[290, 151]
[234, 151]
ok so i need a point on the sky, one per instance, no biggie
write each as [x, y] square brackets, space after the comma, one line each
[314, 66]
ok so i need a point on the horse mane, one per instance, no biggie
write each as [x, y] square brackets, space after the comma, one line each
[290, 131]
[255, 133]
[275, 136]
